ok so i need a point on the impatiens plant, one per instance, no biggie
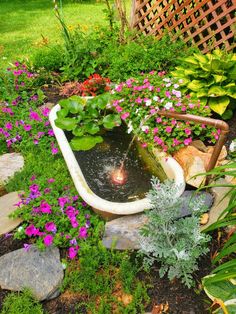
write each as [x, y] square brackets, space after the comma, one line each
[93, 86]
[138, 102]
[86, 119]
[210, 78]
[51, 218]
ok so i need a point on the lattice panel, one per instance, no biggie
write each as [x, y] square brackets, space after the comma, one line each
[208, 24]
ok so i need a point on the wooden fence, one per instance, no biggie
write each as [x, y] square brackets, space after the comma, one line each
[207, 24]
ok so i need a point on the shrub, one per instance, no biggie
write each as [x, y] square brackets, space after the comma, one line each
[21, 302]
[50, 58]
[210, 78]
[176, 244]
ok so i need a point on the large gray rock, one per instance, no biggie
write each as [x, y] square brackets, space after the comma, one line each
[9, 165]
[123, 233]
[39, 271]
[7, 206]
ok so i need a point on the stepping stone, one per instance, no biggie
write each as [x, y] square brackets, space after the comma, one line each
[9, 165]
[123, 233]
[40, 271]
[7, 207]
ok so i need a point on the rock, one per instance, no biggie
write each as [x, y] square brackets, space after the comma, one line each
[7, 207]
[123, 233]
[199, 145]
[204, 219]
[194, 161]
[40, 271]
[9, 165]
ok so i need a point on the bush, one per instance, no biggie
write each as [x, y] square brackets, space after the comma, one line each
[50, 58]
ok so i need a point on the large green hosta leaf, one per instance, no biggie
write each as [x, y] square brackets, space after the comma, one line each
[67, 124]
[195, 85]
[85, 142]
[219, 104]
[216, 91]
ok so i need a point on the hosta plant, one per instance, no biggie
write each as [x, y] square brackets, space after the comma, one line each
[175, 243]
[86, 119]
[210, 78]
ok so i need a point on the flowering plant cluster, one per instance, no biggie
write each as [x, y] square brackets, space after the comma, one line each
[138, 102]
[53, 219]
[94, 85]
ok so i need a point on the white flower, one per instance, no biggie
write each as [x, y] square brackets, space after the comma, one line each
[144, 127]
[168, 84]
[166, 79]
[130, 127]
[181, 81]
[137, 110]
[155, 98]
[232, 146]
[168, 105]
[64, 265]
[176, 85]
[177, 93]
[148, 102]
[20, 229]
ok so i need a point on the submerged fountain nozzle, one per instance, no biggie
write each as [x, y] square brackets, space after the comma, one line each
[119, 176]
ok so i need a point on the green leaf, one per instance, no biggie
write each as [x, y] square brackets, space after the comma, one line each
[191, 60]
[219, 104]
[232, 73]
[222, 290]
[216, 91]
[62, 113]
[201, 58]
[111, 120]
[92, 128]
[75, 106]
[219, 78]
[232, 92]
[85, 142]
[195, 85]
[203, 92]
[224, 252]
[66, 123]
[64, 103]
[78, 131]
[228, 114]
[228, 265]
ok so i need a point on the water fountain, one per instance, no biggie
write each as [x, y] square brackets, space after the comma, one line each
[120, 184]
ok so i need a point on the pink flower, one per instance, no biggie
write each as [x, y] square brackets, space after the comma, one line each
[45, 207]
[168, 129]
[119, 108]
[51, 180]
[27, 247]
[62, 201]
[187, 141]
[125, 115]
[187, 131]
[144, 145]
[33, 178]
[158, 120]
[50, 132]
[203, 126]
[152, 111]
[183, 108]
[191, 106]
[173, 122]
[54, 150]
[155, 131]
[27, 127]
[82, 232]
[45, 112]
[158, 140]
[35, 116]
[8, 126]
[168, 94]
[34, 187]
[138, 100]
[175, 142]
[50, 226]
[74, 222]
[48, 240]
[31, 230]
[72, 252]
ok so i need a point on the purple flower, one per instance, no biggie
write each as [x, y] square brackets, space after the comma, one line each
[82, 232]
[31, 230]
[33, 178]
[8, 126]
[73, 241]
[47, 190]
[54, 150]
[27, 247]
[74, 222]
[48, 240]
[50, 226]
[72, 252]
[45, 112]
[34, 187]
[50, 132]
[45, 207]
[35, 116]
[27, 127]
[51, 180]
[62, 201]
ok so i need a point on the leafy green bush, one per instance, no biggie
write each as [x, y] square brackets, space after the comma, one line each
[210, 78]
[176, 243]
[50, 58]
[21, 302]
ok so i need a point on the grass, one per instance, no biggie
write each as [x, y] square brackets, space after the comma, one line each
[27, 25]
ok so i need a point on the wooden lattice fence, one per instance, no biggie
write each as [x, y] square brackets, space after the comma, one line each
[207, 24]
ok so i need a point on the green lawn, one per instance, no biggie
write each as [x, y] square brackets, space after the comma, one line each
[23, 23]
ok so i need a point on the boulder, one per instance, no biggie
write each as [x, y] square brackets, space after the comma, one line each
[9, 165]
[199, 145]
[40, 271]
[7, 206]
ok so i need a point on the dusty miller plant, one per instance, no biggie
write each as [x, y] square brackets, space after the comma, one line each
[175, 243]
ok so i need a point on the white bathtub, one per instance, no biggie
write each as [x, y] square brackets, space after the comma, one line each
[170, 166]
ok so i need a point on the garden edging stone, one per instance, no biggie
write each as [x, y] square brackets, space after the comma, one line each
[10, 163]
[40, 271]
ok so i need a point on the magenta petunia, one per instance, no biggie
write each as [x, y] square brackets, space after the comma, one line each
[187, 141]
[35, 116]
[48, 240]
[168, 129]
[50, 226]
[72, 252]
[125, 115]
[27, 127]
[45, 207]
[8, 126]
[31, 231]
[51, 180]
[82, 232]
[34, 187]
